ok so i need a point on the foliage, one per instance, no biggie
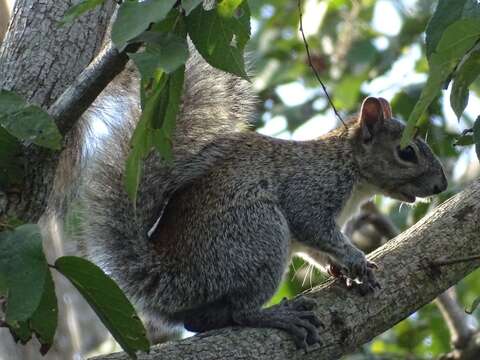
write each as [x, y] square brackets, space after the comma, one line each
[452, 54]
[27, 285]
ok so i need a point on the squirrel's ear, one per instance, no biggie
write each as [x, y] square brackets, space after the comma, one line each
[371, 117]
[387, 109]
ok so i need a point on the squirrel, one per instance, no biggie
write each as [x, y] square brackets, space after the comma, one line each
[211, 234]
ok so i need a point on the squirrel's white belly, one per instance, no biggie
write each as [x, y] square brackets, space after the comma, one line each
[360, 194]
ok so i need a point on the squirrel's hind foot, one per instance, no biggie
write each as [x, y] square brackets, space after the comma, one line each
[295, 317]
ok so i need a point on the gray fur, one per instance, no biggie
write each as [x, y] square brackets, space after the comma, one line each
[235, 205]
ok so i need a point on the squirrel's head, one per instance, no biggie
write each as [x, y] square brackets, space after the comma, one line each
[403, 174]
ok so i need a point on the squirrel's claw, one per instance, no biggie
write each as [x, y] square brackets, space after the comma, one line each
[365, 283]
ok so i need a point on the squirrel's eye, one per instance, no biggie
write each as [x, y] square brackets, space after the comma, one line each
[407, 154]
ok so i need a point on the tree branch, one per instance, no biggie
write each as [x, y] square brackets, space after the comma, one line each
[455, 318]
[88, 85]
[408, 282]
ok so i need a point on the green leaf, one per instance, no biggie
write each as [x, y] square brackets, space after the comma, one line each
[141, 142]
[44, 320]
[169, 102]
[133, 173]
[135, 17]
[108, 302]
[474, 305]
[446, 13]
[189, 5]
[11, 160]
[465, 75]
[221, 39]
[165, 51]
[27, 122]
[10, 102]
[456, 40]
[163, 144]
[23, 265]
[155, 127]
[76, 10]
[20, 331]
[3, 285]
[476, 136]
[465, 140]
[226, 8]
[133, 169]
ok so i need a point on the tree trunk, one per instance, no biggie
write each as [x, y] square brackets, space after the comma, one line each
[408, 276]
[38, 60]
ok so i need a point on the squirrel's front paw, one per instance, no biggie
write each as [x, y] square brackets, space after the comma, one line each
[357, 274]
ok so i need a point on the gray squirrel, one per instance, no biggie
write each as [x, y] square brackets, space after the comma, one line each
[212, 234]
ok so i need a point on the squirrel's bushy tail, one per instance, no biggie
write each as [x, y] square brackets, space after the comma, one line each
[214, 105]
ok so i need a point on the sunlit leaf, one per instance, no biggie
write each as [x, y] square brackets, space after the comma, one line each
[141, 142]
[456, 40]
[226, 8]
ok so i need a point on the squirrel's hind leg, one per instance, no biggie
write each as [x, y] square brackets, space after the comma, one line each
[253, 242]
[295, 317]
[214, 315]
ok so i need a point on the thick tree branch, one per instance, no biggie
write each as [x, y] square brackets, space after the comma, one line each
[408, 282]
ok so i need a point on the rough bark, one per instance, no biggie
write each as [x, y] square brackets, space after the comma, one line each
[39, 59]
[408, 277]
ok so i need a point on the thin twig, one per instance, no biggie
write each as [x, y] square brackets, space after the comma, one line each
[307, 49]
[455, 261]
[455, 318]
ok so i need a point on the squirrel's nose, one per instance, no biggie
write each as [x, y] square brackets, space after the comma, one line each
[442, 186]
